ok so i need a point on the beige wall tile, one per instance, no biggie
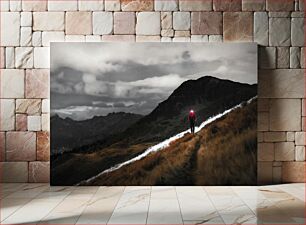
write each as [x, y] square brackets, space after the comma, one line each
[300, 138]
[264, 173]
[10, 28]
[34, 123]
[43, 146]
[20, 146]
[112, 5]
[227, 5]
[12, 83]
[293, 172]
[253, 5]
[78, 23]
[206, 23]
[16, 172]
[102, 23]
[284, 151]
[169, 5]
[7, 114]
[124, 22]
[300, 153]
[137, 5]
[37, 84]
[28, 106]
[41, 57]
[34, 5]
[24, 57]
[39, 172]
[285, 115]
[276, 5]
[238, 26]
[263, 121]
[275, 136]
[145, 28]
[281, 83]
[91, 5]
[265, 152]
[45, 122]
[203, 5]
[21, 122]
[52, 36]
[58, 5]
[48, 21]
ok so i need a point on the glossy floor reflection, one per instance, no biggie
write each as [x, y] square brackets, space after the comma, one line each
[42, 204]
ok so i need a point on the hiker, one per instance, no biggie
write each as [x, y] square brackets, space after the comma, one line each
[192, 120]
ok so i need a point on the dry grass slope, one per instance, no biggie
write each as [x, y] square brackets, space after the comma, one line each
[224, 153]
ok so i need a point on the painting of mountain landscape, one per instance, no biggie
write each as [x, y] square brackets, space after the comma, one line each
[153, 114]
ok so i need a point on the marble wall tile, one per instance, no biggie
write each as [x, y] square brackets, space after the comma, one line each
[203, 5]
[14, 172]
[43, 146]
[12, 83]
[137, 5]
[7, 114]
[124, 22]
[20, 146]
[78, 23]
[238, 26]
[37, 83]
[39, 172]
[293, 172]
[206, 23]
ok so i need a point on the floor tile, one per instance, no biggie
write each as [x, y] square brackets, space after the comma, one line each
[195, 204]
[42, 204]
[164, 206]
[132, 207]
[294, 190]
[9, 206]
[29, 191]
[69, 210]
[32, 212]
[100, 208]
[164, 212]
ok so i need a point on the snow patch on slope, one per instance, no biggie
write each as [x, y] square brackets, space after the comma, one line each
[164, 144]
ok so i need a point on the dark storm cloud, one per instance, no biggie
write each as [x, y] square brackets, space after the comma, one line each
[89, 79]
[132, 71]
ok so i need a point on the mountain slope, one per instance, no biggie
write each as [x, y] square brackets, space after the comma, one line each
[222, 153]
[208, 96]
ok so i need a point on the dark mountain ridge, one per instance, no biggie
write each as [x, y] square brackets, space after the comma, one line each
[207, 95]
[68, 134]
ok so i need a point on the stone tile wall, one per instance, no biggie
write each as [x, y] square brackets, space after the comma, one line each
[28, 27]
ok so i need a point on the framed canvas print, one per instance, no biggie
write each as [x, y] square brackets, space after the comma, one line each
[153, 114]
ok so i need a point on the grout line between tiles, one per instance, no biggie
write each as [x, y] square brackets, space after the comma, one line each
[213, 205]
[178, 201]
[55, 207]
[149, 204]
[86, 205]
[116, 205]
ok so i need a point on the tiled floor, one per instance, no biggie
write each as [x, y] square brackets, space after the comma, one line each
[42, 204]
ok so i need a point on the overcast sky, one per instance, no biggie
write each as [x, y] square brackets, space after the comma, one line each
[94, 79]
